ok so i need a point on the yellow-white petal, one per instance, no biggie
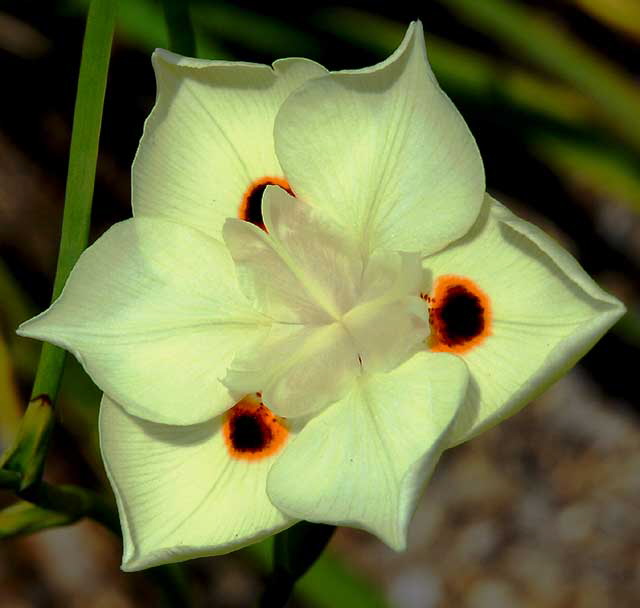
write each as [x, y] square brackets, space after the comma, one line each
[153, 312]
[545, 313]
[299, 368]
[209, 136]
[304, 270]
[364, 461]
[179, 493]
[385, 152]
[336, 313]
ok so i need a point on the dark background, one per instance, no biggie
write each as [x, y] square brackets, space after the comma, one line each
[544, 510]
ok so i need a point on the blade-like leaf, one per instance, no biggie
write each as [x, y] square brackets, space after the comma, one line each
[553, 48]
[27, 456]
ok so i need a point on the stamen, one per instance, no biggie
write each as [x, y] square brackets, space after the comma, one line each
[459, 314]
[252, 431]
[251, 205]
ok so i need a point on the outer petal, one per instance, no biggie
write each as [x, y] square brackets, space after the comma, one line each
[179, 494]
[209, 136]
[364, 461]
[385, 152]
[546, 313]
[153, 312]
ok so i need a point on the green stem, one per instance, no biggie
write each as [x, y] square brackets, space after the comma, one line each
[28, 453]
[75, 502]
[294, 551]
[48, 505]
[22, 517]
[179, 27]
[69, 500]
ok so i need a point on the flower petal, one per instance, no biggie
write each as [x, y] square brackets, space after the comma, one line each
[385, 152]
[180, 494]
[364, 461]
[336, 314]
[299, 369]
[210, 136]
[303, 270]
[154, 313]
[546, 312]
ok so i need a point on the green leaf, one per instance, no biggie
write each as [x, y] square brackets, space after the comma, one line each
[27, 455]
[30, 448]
[77, 405]
[253, 31]
[10, 408]
[554, 49]
[623, 15]
[604, 171]
[141, 23]
[465, 72]
[179, 27]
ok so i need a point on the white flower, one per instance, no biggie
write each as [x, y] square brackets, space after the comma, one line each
[318, 368]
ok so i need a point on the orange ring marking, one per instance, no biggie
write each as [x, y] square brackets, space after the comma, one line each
[252, 431]
[250, 209]
[443, 338]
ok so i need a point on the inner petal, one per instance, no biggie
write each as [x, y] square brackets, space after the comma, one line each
[252, 431]
[459, 314]
[250, 208]
[336, 313]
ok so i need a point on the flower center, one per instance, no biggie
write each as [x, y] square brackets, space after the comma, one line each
[459, 314]
[251, 205]
[332, 313]
[251, 431]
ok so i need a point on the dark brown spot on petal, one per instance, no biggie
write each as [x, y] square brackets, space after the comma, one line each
[251, 431]
[251, 205]
[248, 433]
[459, 313]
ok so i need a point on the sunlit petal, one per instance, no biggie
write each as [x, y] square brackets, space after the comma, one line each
[209, 139]
[542, 312]
[364, 461]
[181, 493]
[154, 313]
[385, 152]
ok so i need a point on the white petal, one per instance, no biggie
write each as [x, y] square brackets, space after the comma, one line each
[180, 495]
[385, 152]
[386, 334]
[546, 313]
[299, 369]
[303, 270]
[209, 136]
[154, 313]
[364, 461]
[337, 313]
[391, 322]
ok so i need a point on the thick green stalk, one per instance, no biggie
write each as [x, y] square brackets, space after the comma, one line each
[27, 455]
[179, 27]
